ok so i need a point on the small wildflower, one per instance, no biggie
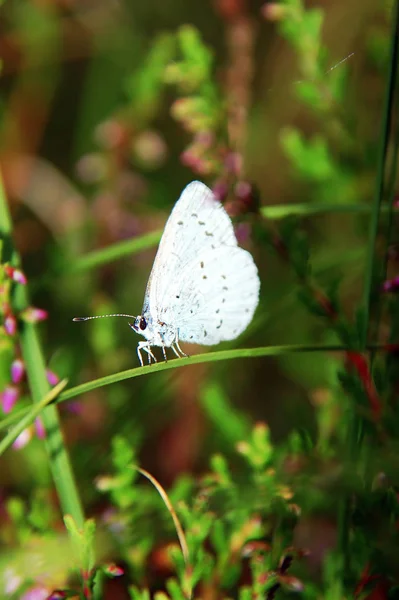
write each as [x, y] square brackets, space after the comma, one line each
[391, 285]
[248, 196]
[220, 190]
[110, 134]
[113, 570]
[17, 370]
[52, 377]
[34, 315]
[36, 593]
[23, 439]
[293, 584]
[10, 325]
[40, 431]
[9, 398]
[150, 149]
[73, 407]
[273, 11]
[58, 595]
[15, 274]
[12, 580]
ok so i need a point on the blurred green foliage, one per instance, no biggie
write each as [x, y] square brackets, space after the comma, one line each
[282, 472]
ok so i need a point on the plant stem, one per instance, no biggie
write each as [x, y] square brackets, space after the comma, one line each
[39, 387]
[354, 433]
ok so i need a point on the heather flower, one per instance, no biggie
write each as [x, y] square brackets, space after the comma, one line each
[10, 325]
[23, 439]
[12, 580]
[220, 190]
[17, 370]
[34, 315]
[113, 570]
[52, 377]
[391, 285]
[9, 397]
[36, 593]
[15, 274]
[40, 431]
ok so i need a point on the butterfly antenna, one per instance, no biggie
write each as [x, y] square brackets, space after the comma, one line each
[77, 319]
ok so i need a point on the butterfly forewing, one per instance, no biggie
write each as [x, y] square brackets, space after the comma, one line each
[198, 222]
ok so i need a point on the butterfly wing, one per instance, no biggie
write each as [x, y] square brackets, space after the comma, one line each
[198, 222]
[215, 297]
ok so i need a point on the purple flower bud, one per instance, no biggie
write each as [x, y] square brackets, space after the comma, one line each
[57, 595]
[15, 274]
[391, 285]
[73, 407]
[34, 315]
[113, 570]
[9, 397]
[52, 377]
[233, 163]
[10, 325]
[248, 196]
[36, 593]
[17, 370]
[40, 431]
[23, 439]
[220, 190]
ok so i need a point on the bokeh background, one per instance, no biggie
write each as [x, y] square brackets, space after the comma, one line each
[108, 109]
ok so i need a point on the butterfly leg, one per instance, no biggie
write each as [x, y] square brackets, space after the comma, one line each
[176, 343]
[147, 348]
[175, 351]
[164, 354]
[179, 349]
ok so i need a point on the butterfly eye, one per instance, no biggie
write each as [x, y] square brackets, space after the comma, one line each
[142, 324]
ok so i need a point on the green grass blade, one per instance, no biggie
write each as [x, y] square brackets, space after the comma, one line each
[39, 387]
[388, 114]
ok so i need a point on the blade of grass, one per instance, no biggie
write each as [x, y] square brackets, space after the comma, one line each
[354, 428]
[97, 258]
[197, 359]
[169, 506]
[381, 166]
[38, 384]
[115, 252]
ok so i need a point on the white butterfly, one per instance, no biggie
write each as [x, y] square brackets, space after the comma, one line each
[203, 288]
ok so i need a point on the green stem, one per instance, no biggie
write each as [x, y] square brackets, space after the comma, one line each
[39, 387]
[97, 258]
[354, 433]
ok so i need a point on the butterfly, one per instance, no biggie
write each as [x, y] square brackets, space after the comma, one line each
[203, 288]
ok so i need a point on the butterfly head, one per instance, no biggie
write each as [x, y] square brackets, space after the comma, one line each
[142, 326]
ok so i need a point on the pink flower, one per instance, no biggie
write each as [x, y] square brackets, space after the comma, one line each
[220, 190]
[52, 377]
[40, 431]
[17, 370]
[15, 274]
[34, 315]
[9, 398]
[23, 439]
[36, 593]
[113, 570]
[10, 325]
[391, 285]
